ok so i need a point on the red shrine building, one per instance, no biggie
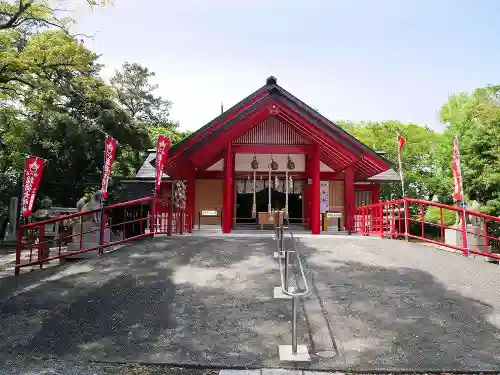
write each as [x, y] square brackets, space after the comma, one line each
[272, 149]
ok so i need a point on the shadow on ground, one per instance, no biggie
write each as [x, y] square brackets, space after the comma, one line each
[209, 302]
[403, 318]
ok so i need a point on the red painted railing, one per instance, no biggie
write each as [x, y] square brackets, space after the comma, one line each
[406, 218]
[69, 235]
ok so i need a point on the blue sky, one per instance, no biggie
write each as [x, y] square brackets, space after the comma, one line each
[350, 59]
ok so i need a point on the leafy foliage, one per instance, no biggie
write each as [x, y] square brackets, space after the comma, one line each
[174, 135]
[423, 176]
[136, 95]
[54, 105]
[433, 215]
[475, 118]
[30, 14]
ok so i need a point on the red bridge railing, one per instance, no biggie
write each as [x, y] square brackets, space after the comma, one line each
[70, 235]
[407, 218]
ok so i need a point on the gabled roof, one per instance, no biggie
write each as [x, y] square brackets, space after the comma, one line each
[147, 169]
[389, 175]
[338, 148]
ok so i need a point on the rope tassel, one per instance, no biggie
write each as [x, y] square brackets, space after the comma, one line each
[255, 166]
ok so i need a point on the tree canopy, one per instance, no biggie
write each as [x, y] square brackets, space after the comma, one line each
[423, 176]
[55, 105]
[475, 118]
[137, 96]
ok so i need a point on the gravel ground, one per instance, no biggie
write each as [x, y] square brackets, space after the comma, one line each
[374, 305]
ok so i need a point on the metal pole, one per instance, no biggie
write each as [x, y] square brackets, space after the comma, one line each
[280, 230]
[294, 324]
[405, 203]
[465, 242]
[286, 270]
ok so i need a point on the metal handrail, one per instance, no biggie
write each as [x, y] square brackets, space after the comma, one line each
[283, 275]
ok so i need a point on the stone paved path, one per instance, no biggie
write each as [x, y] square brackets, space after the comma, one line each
[375, 305]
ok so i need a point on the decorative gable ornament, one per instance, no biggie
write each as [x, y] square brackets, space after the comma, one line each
[273, 111]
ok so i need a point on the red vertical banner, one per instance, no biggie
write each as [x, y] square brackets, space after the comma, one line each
[162, 147]
[32, 175]
[401, 143]
[109, 157]
[456, 172]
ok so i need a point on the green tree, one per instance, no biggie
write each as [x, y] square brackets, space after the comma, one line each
[137, 96]
[68, 129]
[423, 176]
[475, 119]
[35, 69]
[37, 14]
[174, 135]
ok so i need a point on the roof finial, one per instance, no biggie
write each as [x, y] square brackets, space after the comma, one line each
[221, 108]
[271, 80]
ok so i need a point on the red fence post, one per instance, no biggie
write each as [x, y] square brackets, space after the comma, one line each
[393, 222]
[169, 218]
[399, 219]
[363, 221]
[422, 210]
[152, 216]
[441, 222]
[407, 218]
[381, 221]
[465, 245]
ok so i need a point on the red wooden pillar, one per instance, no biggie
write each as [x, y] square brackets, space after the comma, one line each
[315, 192]
[191, 197]
[307, 195]
[234, 193]
[349, 197]
[227, 203]
[375, 193]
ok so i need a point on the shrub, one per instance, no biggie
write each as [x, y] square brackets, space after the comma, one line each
[432, 215]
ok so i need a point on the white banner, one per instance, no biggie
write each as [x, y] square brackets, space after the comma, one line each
[324, 198]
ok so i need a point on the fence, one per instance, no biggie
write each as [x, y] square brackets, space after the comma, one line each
[477, 234]
[94, 230]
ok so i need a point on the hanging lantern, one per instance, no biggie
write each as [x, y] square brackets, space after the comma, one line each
[255, 166]
[290, 166]
[255, 163]
[274, 165]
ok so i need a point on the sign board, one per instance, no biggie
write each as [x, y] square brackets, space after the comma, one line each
[209, 213]
[331, 215]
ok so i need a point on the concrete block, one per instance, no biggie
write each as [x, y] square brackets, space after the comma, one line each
[278, 293]
[287, 355]
[280, 371]
[239, 372]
